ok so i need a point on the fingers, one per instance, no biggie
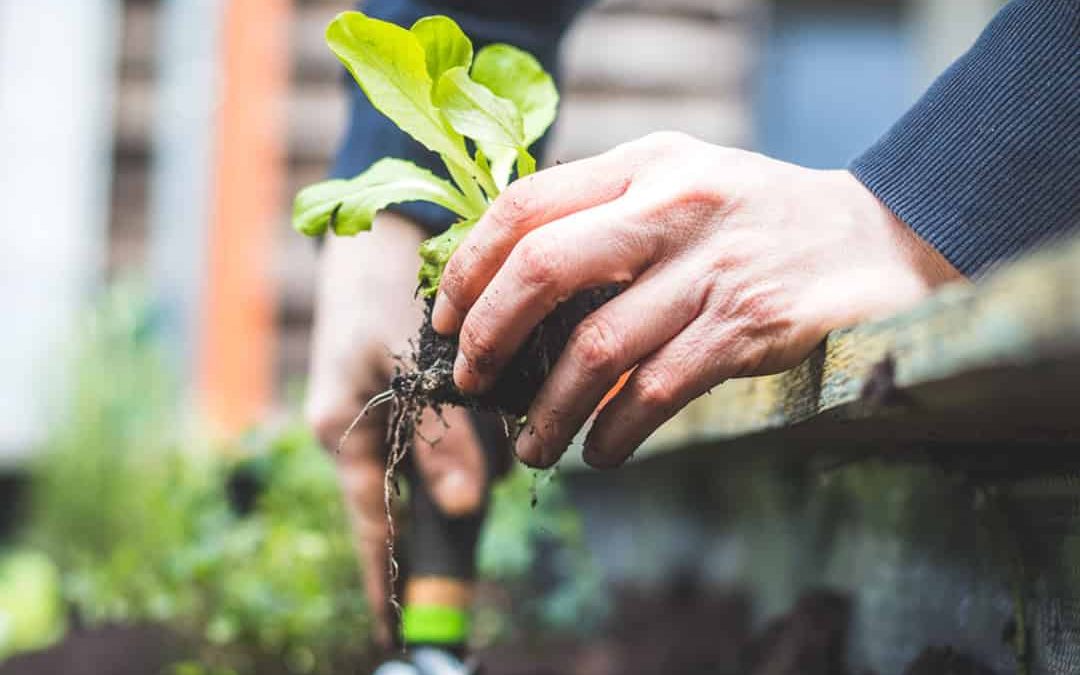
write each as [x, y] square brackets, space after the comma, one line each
[605, 345]
[699, 358]
[451, 462]
[333, 403]
[583, 250]
[524, 206]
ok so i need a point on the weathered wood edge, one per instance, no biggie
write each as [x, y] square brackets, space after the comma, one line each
[1023, 314]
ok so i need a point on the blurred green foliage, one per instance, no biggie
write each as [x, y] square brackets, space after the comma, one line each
[241, 551]
[534, 546]
[136, 515]
[31, 615]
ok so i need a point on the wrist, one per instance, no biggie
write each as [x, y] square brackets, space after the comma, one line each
[881, 266]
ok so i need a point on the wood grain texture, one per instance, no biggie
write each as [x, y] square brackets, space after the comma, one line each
[996, 361]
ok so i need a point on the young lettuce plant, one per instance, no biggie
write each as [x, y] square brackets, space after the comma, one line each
[428, 82]
[480, 113]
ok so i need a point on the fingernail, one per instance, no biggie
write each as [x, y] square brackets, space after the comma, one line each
[527, 448]
[599, 458]
[443, 315]
[463, 376]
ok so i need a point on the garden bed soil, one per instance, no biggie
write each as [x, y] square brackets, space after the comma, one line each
[683, 631]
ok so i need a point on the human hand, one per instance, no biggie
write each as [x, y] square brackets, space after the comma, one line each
[737, 265]
[365, 312]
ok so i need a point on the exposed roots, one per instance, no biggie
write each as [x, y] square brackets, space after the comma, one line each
[404, 414]
[376, 401]
[426, 381]
[403, 420]
[408, 399]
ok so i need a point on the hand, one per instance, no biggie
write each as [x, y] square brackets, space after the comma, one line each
[737, 265]
[365, 312]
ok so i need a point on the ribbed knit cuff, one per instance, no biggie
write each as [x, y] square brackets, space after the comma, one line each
[987, 164]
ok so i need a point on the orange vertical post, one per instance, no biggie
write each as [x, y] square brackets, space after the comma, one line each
[236, 355]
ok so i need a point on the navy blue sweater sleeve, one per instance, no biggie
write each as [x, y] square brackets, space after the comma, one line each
[533, 25]
[987, 164]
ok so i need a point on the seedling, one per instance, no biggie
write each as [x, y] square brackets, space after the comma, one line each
[480, 113]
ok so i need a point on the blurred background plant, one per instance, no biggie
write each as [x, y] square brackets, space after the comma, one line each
[242, 551]
[534, 550]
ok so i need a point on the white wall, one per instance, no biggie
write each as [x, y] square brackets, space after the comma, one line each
[56, 80]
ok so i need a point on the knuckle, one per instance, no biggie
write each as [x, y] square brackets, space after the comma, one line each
[666, 140]
[536, 263]
[753, 307]
[453, 281]
[654, 389]
[751, 358]
[597, 346]
[513, 209]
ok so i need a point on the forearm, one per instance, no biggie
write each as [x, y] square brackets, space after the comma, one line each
[987, 164]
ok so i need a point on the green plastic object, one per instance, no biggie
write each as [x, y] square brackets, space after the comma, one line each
[434, 624]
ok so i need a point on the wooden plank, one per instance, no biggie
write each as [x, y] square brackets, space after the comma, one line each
[136, 103]
[967, 354]
[589, 125]
[627, 74]
[659, 54]
[317, 119]
[312, 60]
[138, 40]
[698, 8]
[633, 50]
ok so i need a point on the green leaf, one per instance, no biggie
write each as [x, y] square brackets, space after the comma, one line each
[482, 161]
[526, 163]
[474, 111]
[349, 206]
[389, 64]
[445, 45]
[493, 122]
[517, 76]
[436, 251]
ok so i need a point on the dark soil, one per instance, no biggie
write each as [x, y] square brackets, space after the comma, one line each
[809, 640]
[687, 630]
[691, 630]
[945, 661]
[432, 382]
[112, 650]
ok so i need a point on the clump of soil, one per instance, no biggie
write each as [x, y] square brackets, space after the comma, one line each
[432, 382]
